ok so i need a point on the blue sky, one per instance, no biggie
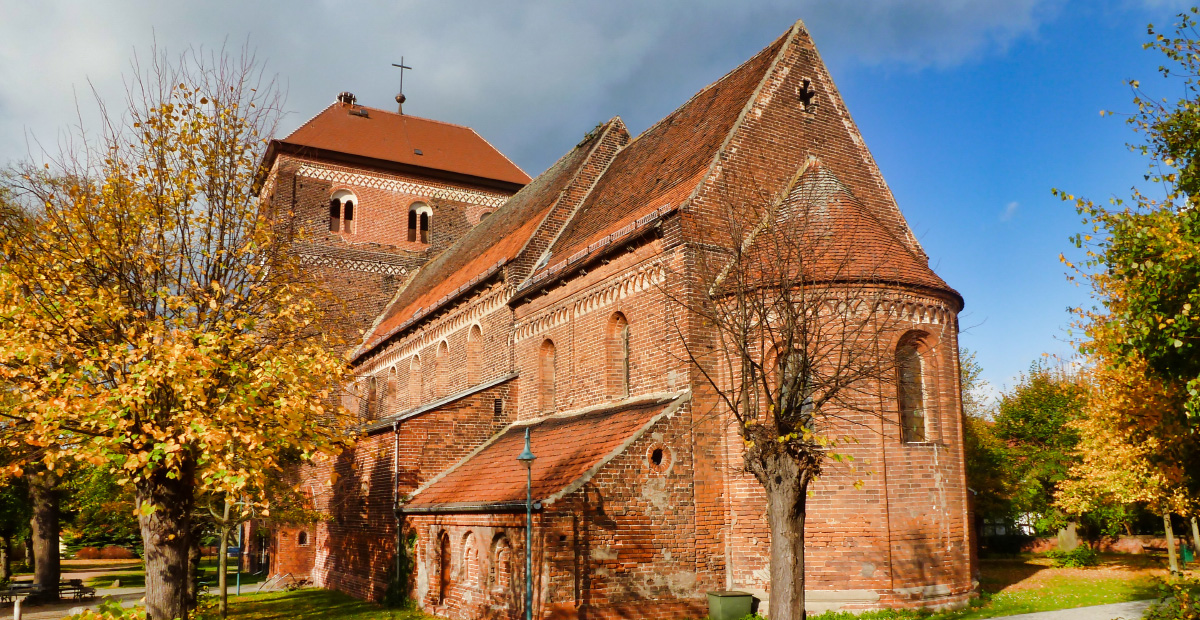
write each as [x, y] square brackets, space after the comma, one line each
[973, 109]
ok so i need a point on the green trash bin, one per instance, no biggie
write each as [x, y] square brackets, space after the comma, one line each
[729, 604]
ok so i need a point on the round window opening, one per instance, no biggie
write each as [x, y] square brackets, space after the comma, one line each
[658, 457]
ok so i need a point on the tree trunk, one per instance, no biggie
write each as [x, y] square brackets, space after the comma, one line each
[166, 535]
[193, 575]
[6, 557]
[1172, 560]
[1195, 540]
[223, 563]
[44, 498]
[787, 488]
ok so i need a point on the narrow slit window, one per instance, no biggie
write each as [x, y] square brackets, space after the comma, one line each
[424, 228]
[546, 378]
[335, 215]
[412, 225]
[347, 215]
[910, 393]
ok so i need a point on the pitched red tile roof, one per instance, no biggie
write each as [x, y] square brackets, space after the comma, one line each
[379, 134]
[493, 242]
[570, 449]
[667, 161]
[841, 237]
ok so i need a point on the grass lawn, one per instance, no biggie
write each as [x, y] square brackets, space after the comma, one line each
[1030, 584]
[312, 604]
[137, 576]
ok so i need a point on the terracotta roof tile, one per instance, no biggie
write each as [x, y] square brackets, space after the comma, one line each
[495, 240]
[842, 238]
[567, 448]
[666, 162]
[379, 134]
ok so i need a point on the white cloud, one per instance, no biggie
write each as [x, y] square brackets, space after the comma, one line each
[531, 77]
[1010, 210]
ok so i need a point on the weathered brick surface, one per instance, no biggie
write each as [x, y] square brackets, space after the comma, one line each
[639, 538]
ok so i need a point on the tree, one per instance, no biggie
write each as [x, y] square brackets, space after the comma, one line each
[1034, 420]
[1133, 447]
[987, 458]
[15, 515]
[795, 314]
[1142, 256]
[152, 320]
[1141, 262]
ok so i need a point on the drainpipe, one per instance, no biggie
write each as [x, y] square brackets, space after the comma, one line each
[396, 492]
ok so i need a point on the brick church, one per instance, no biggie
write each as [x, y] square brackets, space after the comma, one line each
[485, 304]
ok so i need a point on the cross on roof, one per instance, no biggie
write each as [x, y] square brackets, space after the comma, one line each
[402, 67]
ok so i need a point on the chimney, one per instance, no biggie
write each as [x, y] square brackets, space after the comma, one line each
[346, 98]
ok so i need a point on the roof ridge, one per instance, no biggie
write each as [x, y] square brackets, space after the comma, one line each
[789, 37]
[714, 84]
[597, 141]
[420, 118]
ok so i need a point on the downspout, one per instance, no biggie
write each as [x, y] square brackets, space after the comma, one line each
[396, 493]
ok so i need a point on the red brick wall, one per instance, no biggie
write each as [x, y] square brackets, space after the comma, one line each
[354, 548]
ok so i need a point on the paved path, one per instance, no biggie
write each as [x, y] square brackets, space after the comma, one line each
[1128, 611]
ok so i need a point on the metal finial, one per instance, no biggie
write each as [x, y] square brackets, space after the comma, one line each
[527, 456]
[400, 98]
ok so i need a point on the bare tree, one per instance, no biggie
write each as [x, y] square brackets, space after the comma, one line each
[792, 312]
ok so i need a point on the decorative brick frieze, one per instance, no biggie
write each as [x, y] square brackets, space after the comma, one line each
[400, 186]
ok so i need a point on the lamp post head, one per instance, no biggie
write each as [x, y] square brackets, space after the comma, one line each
[526, 457]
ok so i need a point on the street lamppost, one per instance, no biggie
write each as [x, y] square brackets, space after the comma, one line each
[526, 459]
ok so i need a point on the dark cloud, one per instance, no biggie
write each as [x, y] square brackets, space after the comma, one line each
[531, 77]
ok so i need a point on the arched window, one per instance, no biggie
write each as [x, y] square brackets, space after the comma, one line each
[618, 356]
[484, 215]
[443, 567]
[392, 405]
[414, 381]
[910, 390]
[474, 354]
[341, 211]
[470, 561]
[420, 217]
[302, 539]
[441, 371]
[546, 377]
[501, 564]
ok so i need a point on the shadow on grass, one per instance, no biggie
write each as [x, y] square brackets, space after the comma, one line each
[311, 604]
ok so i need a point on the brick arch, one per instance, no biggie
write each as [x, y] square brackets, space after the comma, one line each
[443, 572]
[392, 399]
[474, 354]
[415, 383]
[343, 210]
[916, 386]
[617, 355]
[500, 575]
[546, 376]
[470, 570]
[441, 370]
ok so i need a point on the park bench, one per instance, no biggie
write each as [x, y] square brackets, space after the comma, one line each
[20, 590]
[76, 590]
